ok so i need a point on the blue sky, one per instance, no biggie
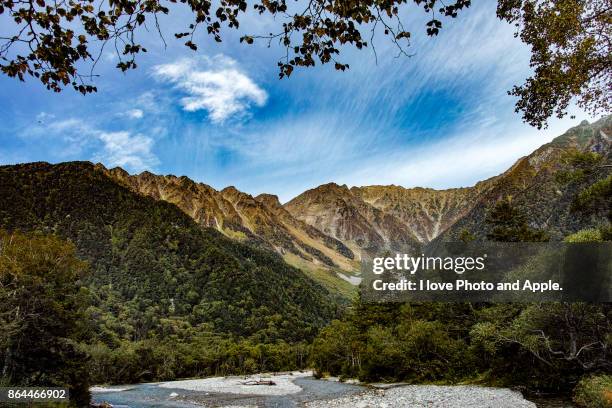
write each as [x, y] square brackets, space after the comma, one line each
[440, 118]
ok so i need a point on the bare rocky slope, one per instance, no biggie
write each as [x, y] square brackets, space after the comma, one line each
[337, 211]
[261, 221]
[425, 211]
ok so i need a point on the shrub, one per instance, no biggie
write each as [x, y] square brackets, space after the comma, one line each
[594, 392]
[586, 235]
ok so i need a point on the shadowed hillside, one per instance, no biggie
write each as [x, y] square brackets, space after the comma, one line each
[150, 261]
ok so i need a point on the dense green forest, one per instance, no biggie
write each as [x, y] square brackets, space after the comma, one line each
[163, 298]
[530, 346]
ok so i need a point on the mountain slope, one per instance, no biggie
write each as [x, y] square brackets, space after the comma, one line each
[426, 212]
[314, 239]
[327, 228]
[336, 211]
[261, 222]
[537, 186]
[151, 262]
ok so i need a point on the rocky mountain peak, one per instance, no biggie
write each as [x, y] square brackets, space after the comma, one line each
[231, 192]
[269, 200]
[336, 211]
[117, 171]
[332, 188]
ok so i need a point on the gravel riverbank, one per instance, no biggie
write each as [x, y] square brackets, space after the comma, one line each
[284, 384]
[430, 396]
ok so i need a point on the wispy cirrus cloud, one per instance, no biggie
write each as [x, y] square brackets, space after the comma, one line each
[216, 85]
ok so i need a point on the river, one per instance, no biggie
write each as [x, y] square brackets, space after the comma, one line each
[163, 395]
[152, 395]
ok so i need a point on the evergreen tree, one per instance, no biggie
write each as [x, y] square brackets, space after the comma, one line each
[509, 224]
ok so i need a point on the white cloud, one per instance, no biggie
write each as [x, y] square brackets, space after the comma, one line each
[67, 125]
[135, 114]
[44, 116]
[126, 150]
[75, 139]
[216, 85]
[150, 102]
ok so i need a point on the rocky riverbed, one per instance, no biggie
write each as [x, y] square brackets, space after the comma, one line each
[300, 389]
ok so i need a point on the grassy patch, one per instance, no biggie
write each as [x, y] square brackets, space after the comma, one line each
[237, 235]
[326, 277]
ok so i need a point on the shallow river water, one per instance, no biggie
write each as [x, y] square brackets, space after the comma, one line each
[151, 395]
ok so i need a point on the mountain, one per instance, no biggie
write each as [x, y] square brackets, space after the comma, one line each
[336, 211]
[259, 221]
[153, 267]
[393, 217]
[546, 183]
[326, 230]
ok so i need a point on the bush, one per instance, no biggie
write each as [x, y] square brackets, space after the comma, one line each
[585, 235]
[594, 392]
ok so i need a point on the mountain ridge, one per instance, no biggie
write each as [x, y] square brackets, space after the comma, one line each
[260, 221]
[534, 179]
[330, 227]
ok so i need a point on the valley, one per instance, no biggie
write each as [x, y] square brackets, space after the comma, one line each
[161, 277]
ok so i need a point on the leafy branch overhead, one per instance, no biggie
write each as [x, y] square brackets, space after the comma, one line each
[61, 41]
[52, 39]
[571, 55]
